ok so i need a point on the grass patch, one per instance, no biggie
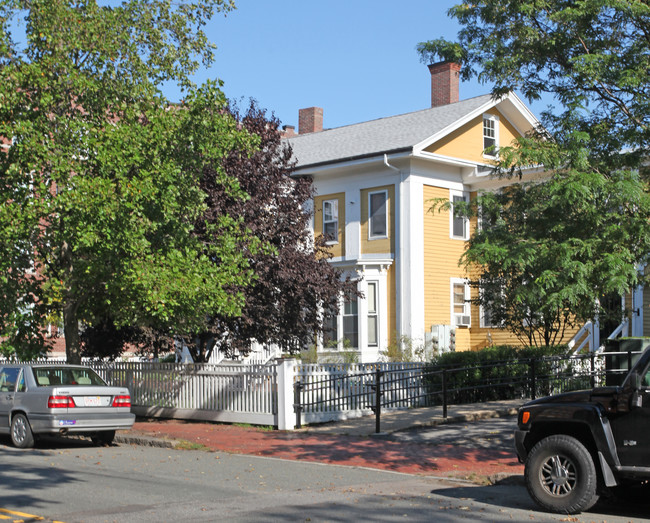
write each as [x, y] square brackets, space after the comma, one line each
[261, 428]
[190, 445]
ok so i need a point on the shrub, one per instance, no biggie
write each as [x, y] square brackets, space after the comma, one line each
[497, 373]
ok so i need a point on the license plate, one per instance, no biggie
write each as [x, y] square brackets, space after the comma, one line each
[92, 401]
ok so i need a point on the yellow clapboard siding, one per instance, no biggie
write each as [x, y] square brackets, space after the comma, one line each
[441, 255]
[466, 142]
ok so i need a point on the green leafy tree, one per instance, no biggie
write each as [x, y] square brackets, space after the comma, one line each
[99, 178]
[592, 56]
[294, 287]
[548, 252]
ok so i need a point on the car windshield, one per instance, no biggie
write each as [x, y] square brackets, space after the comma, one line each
[59, 375]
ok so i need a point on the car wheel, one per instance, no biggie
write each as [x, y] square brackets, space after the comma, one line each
[21, 432]
[103, 438]
[561, 476]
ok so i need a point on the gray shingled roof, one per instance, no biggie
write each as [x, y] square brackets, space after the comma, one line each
[394, 133]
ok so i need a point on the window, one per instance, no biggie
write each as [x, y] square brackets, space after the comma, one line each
[330, 329]
[461, 316]
[378, 217]
[487, 318]
[351, 322]
[21, 383]
[373, 320]
[331, 220]
[8, 379]
[459, 224]
[490, 135]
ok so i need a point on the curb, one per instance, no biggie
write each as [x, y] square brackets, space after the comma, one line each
[144, 441]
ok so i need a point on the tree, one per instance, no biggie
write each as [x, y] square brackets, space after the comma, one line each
[99, 183]
[550, 251]
[536, 261]
[295, 288]
[593, 56]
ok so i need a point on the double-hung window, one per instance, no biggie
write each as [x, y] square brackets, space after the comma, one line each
[460, 303]
[331, 220]
[351, 322]
[487, 316]
[490, 135]
[377, 215]
[459, 224]
[373, 318]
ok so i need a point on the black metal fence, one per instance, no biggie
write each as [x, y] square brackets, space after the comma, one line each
[427, 385]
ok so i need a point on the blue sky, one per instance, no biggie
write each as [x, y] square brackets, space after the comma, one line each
[354, 58]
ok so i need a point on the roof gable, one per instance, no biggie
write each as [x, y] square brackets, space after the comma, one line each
[412, 132]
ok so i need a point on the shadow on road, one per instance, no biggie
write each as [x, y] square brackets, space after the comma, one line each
[512, 494]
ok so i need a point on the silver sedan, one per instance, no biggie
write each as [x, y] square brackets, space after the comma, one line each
[60, 399]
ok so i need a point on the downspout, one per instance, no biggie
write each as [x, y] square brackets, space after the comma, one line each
[401, 270]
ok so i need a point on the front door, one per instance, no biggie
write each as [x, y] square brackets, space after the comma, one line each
[632, 430]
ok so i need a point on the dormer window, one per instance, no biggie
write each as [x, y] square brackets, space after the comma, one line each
[490, 135]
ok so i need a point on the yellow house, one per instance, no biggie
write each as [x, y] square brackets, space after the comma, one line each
[375, 182]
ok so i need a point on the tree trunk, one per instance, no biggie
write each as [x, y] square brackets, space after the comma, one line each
[71, 331]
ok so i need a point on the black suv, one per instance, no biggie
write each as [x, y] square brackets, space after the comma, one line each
[577, 445]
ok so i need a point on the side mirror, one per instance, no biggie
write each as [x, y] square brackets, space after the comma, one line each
[635, 382]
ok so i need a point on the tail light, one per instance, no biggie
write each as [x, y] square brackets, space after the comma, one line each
[60, 402]
[122, 401]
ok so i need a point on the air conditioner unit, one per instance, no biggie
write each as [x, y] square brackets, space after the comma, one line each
[462, 320]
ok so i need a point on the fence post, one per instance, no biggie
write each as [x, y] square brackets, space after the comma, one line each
[444, 393]
[297, 405]
[592, 358]
[533, 385]
[377, 408]
[286, 374]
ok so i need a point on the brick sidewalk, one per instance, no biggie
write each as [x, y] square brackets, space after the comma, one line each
[480, 465]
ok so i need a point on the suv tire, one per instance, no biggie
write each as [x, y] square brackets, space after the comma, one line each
[561, 476]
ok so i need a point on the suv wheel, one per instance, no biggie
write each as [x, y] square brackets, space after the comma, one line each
[21, 432]
[561, 476]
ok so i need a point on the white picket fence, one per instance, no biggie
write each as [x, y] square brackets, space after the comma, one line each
[221, 392]
[256, 393]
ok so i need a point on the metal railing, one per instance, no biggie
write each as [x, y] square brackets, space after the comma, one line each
[385, 388]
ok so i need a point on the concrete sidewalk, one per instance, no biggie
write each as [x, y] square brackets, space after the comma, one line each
[399, 420]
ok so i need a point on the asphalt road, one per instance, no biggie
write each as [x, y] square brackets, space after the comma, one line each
[70, 480]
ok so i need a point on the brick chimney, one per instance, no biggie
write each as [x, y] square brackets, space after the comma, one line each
[310, 120]
[288, 131]
[445, 83]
